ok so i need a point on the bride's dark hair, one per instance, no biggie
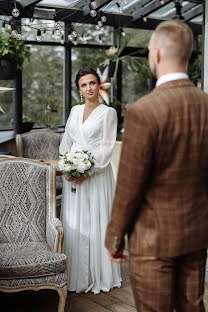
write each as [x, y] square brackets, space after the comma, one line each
[86, 71]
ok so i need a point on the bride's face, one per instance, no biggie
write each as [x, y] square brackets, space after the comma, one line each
[89, 87]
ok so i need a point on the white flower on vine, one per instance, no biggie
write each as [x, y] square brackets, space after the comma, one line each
[111, 51]
[104, 85]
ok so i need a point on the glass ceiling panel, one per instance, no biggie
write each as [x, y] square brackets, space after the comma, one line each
[165, 10]
[119, 7]
[111, 7]
[123, 5]
[198, 19]
[168, 9]
[59, 3]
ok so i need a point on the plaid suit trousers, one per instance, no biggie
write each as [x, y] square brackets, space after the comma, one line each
[162, 285]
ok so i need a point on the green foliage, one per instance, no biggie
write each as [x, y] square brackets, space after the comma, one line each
[6, 104]
[135, 84]
[138, 37]
[194, 69]
[134, 64]
[43, 86]
[26, 119]
[13, 50]
[138, 65]
[115, 103]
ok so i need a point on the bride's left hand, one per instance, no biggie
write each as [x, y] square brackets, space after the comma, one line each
[81, 179]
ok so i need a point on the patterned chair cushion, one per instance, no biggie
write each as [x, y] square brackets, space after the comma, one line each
[32, 259]
[24, 200]
[55, 280]
[36, 145]
[41, 145]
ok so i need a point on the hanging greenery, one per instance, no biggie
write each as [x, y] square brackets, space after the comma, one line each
[134, 64]
[13, 50]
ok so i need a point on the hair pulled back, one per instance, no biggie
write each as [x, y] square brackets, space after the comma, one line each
[86, 71]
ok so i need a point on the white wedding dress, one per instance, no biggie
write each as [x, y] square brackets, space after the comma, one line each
[85, 214]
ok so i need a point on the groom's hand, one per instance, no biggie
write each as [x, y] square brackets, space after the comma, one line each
[119, 257]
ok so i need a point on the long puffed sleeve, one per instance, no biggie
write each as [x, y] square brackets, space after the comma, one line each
[105, 150]
[66, 141]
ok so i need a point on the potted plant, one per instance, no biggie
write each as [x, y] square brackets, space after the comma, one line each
[13, 52]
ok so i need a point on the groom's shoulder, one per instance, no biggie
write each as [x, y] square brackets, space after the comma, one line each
[146, 101]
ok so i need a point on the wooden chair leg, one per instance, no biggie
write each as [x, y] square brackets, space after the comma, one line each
[62, 298]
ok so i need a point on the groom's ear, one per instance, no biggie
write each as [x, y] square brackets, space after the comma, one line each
[157, 55]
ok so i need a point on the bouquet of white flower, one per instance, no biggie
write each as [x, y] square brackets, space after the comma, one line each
[75, 165]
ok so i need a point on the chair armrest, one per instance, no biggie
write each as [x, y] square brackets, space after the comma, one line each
[55, 234]
[54, 164]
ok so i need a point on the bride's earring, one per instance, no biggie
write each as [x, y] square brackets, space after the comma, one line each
[82, 97]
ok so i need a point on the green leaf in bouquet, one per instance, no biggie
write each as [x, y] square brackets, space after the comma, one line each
[76, 174]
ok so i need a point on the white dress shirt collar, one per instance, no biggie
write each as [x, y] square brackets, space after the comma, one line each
[170, 77]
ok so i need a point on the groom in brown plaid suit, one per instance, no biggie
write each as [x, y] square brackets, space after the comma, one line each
[161, 198]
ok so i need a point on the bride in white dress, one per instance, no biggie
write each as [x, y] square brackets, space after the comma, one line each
[86, 213]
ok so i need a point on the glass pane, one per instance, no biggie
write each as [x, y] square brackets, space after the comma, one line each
[200, 42]
[49, 32]
[138, 37]
[90, 34]
[135, 83]
[43, 86]
[194, 70]
[6, 103]
[198, 19]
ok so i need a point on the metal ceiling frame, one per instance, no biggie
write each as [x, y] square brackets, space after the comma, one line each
[183, 10]
[132, 17]
[136, 6]
[149, 8]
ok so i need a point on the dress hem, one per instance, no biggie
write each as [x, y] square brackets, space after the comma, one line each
[96, 292]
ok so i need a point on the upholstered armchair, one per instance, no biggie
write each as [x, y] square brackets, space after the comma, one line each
[42, 145]
[30, 234]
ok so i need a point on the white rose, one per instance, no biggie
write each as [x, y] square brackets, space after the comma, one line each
[86, 157]
[79, 155]
[67, 167]
[75, 161]
[81, 167]
[69, 156]
[61, 164]
[87, 164]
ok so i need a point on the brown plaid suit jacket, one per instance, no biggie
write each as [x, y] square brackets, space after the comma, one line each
[162, 186]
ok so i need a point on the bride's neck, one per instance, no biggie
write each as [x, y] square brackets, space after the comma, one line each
[92, 104]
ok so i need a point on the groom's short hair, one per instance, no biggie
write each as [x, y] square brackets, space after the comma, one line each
[176, 40]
